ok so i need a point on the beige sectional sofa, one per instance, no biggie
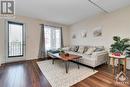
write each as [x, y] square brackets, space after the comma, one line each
[91, 55]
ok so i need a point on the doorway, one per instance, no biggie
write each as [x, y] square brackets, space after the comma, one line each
[15, 41]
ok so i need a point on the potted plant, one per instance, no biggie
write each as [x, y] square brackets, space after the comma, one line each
[119, 45]
[61, 51]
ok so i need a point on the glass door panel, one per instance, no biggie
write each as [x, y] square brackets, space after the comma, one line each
[15, 40]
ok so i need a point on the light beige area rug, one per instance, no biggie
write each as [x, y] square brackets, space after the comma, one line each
[57, 76]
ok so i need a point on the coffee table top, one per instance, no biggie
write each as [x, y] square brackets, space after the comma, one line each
[66, 58]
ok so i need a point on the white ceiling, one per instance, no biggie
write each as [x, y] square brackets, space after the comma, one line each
[65, 11]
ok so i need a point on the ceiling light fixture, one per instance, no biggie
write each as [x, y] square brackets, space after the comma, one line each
[98, 6]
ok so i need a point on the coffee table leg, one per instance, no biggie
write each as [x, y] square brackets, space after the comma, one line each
[77, 63]
[53, 61]
[78, 66]
[113, 68]
[66, 66]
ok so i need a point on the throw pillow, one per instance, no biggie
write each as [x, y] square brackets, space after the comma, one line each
[71, 48]
[90, 50]
[85, 49]
[81, 49]
[76, 48]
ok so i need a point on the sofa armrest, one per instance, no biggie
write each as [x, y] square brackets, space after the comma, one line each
[100, 54]
[100, 57]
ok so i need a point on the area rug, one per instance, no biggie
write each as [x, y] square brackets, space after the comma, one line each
[57, 76]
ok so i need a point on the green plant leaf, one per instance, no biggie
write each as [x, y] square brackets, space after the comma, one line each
[125, 40]
[116, 38]
[119, 45]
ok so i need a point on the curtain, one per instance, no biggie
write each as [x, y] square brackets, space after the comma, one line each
[62, 44]
[42, 43]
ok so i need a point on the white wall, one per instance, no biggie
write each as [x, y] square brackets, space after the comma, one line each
[32, 27]
[115, 23]
[2, 44]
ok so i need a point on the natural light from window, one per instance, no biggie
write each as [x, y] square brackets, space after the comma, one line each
[52, 37]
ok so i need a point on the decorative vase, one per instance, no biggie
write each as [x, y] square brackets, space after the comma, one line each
[66, 54]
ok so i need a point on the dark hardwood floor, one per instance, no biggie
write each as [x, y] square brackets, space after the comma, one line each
[28, 74]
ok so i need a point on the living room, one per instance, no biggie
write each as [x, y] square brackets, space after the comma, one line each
[85, 32]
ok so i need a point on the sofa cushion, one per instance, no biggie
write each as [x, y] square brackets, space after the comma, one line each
[75, 53]
[99, 48]
[90, 50]
[81, 49]
[87, 56]
[88, 61]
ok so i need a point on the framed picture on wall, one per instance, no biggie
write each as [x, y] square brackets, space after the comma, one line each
[84, 34]
[73, 36]
[97, 32]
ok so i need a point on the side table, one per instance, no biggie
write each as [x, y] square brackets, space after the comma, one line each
[120, 58]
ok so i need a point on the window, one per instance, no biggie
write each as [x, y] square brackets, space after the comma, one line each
[15, 39]
[52, 37]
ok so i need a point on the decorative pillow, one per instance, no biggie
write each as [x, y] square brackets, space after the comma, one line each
[90, 50]
[71, 48]
[100, 48]
[74, 48]
[85, 49]
[81, 49]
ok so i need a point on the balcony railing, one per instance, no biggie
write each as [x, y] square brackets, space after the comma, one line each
[15, 49]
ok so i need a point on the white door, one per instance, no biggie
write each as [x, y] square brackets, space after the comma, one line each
[15, 42]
